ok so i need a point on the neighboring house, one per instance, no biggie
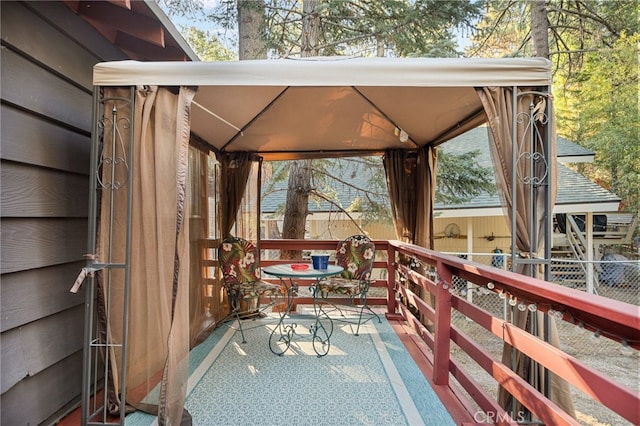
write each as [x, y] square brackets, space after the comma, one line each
[479, 224]
[48, 52]
[481, 220]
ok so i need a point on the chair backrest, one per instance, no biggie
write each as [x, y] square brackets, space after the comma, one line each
[238, 261]
[356, 255]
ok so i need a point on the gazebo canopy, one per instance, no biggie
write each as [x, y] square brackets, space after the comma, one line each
[312, 107]
[284, 109]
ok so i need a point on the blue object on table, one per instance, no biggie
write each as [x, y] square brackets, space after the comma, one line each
[320, 262]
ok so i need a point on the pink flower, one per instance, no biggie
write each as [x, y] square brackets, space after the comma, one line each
[368, 254]
[247, 260]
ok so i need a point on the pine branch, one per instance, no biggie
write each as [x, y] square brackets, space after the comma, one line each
[572, 51]
[340, 208]
[494, 28]
[344, 182]
[593, 16]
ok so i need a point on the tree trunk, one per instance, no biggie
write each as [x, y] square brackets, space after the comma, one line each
[614, 178]
[539, 29]
[250, 26]
[310, 28]
[251, 45]
[555, 388]
[297, 207]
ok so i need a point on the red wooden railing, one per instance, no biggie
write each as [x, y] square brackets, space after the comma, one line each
[613, 319]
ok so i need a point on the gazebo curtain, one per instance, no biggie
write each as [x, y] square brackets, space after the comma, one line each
[202, 295]
[411, 180]
[534, 172]
[158, 307]
[234, 175]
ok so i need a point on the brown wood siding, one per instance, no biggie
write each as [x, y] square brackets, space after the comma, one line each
[35, 400]
[38, 192]
[47, 62]
[41, 44]
[29, 243]
[42, 292]
[32, 140]
[32, 348]
[52, 97]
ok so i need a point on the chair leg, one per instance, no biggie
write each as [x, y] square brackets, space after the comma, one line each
[240, 328]
[235, 312]
[234, 315]
[367, 307]
[253, 312]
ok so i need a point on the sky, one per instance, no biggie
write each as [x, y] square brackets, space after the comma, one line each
[228, 38]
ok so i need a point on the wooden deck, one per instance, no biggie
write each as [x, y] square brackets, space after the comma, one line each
[430, 346]
[415, 347]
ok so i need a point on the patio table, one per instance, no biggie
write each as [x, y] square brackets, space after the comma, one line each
[322, 327]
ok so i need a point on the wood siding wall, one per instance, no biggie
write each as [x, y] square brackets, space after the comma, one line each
[473, 233]
[47, 58]
[473, 238]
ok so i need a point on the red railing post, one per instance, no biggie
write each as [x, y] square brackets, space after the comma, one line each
[442, 326]
[391, 280]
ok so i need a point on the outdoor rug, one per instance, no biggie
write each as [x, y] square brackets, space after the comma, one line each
[368, 379]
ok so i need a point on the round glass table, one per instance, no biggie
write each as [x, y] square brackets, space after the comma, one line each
[282, 335]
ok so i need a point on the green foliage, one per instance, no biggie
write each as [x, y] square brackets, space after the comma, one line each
[461, 178]
[575, 28]
[503, 31]
[594, 49]
[190, 17]
[206, 45]
[363, 28]
[609, 121]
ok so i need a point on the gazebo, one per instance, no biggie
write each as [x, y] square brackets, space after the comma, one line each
[146, 114]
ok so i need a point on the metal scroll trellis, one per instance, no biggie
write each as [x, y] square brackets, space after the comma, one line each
[106, 307]
[533, 152]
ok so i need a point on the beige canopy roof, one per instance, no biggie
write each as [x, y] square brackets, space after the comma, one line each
[322, 106]
[284, 109]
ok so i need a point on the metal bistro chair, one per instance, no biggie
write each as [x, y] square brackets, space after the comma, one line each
[241, 279]
[356, 255]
